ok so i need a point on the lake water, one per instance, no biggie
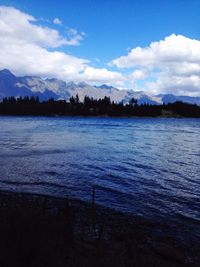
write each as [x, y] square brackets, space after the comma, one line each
[149, 167]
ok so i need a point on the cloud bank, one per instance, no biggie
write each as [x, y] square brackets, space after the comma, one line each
[172, 64]
[31, 49]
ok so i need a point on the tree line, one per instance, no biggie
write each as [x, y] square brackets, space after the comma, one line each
[94, 107]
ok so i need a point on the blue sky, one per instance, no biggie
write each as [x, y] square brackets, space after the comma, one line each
[109, 30]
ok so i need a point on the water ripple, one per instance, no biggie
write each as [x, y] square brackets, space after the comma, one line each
[145, 166]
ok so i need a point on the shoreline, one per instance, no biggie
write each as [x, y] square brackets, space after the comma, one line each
[98, 116]
[90, 235]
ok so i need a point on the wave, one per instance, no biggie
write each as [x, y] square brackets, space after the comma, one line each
[43, 183]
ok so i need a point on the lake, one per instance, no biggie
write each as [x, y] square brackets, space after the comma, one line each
[149, 167]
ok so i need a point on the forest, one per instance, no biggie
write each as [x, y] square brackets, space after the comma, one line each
[94, 107]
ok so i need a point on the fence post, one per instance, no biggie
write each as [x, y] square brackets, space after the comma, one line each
[93, 207]
[44, 205]
[93, 196]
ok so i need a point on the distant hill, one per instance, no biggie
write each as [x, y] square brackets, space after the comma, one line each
[169, 98]
[10, 85]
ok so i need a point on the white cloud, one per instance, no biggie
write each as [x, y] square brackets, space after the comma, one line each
[179, 85]
[57, 21]
[72, 31]
[30, 49]
[74, 36]
[173, 49]
[16, 25]
[171, 65]
[91, 74]
[174, 62]
[24, 47]
[30, 59]
[138, 74]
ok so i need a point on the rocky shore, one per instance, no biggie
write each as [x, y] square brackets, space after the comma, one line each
[45, 231]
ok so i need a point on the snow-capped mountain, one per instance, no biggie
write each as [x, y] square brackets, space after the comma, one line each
[10, 85]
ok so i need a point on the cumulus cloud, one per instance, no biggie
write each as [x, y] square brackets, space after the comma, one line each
[138, 74]
[31, 49]
[179, 85]
[30, 59]
[57, 21]
[173, 62]
[21, 26]
[24, 47]
[16, 25]
[173, 49]
[91, 74]
[171, 65]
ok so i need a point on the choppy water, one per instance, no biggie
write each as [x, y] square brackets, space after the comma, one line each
[149, 167]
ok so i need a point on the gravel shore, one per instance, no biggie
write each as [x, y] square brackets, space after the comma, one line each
[46, 231]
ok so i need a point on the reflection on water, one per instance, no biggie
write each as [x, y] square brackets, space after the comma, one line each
[146, 166]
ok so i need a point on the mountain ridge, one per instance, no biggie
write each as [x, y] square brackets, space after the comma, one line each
[11, 85]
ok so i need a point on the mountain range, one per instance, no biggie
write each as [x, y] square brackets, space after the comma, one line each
[11, 85]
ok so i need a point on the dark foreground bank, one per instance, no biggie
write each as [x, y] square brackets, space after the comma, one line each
[44, 231]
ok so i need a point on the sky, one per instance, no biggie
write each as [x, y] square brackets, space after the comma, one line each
[145, 45]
